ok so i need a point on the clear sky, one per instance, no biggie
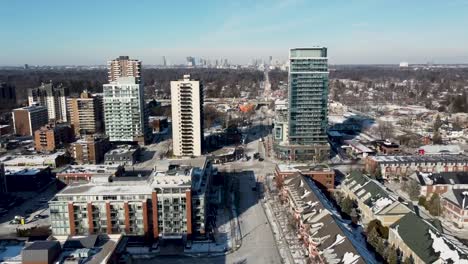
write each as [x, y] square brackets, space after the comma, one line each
[59, 32]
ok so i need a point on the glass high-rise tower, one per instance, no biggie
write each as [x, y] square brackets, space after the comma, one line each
[308, 102]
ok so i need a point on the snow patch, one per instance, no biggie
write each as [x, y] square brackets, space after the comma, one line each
[381, 203]
[350, 258]
[446, 253]
[339, 239]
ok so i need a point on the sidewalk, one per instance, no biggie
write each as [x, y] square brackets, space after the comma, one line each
[228, 236]
[280, 239]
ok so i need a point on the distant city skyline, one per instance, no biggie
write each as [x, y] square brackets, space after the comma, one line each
[356, 32]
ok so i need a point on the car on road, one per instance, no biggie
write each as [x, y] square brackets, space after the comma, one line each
[261, 159]
[40, 216]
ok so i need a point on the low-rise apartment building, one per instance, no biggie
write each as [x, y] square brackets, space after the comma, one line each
[26, 179]
[322, 174]
[455, 206]
[54, 160]
[86, 173]
[396, 166]
[50, 137]
[124, 155]
[90, 149]
[374, 202]
[442, 182]
[166, 204]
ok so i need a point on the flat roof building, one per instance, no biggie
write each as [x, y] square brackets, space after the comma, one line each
[125, 116]
[72, 174]
[28, 119]
[52, 136]
[86, 113]
[123, 66]
[54, 160]
[27, 179]
[170, 203]
[123, 155]
[90, 149]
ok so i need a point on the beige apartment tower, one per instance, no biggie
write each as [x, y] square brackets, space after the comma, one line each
[123, 66]
[187, 117]
[86, 113]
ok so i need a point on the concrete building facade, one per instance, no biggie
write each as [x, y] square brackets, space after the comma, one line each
[53, 98]
[187, 117]
[124, 112]
[307, 116]
[169, 204]
[123, 66]
[28, 119]
[123, 155]
[85, 113]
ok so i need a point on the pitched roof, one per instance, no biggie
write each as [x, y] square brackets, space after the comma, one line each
[456, 196]
[415, 233]
[427, 242]
[333, 242]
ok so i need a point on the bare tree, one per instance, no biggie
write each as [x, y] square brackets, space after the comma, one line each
[385, 129]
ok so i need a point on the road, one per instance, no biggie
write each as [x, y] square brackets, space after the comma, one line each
[267, 84]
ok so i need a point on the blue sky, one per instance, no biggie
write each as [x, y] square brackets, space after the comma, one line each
[57, 32]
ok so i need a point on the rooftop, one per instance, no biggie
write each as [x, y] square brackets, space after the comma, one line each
[181, 173]
[123, 150]
[450, 178]
[300, 167]
[442, 149]
[41, 245]
[94, 169]
[15, 160]
[31, 171]
[420, 158]
[31, 108]
[111, 188]
[425, 241]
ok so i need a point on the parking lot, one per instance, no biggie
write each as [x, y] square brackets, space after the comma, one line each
[34, 210]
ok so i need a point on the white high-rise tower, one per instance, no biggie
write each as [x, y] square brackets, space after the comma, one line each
[187, 117]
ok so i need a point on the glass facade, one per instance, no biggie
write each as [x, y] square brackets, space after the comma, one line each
[308, 96]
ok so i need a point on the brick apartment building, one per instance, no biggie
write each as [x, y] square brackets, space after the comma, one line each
[396, 166]
[90, 149]
[50, 137]
[323, 175]
[28, 119]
